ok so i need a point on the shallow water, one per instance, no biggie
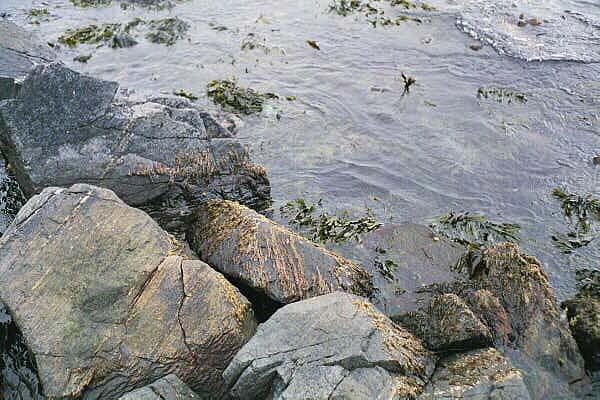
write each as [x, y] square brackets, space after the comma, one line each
[352, 139]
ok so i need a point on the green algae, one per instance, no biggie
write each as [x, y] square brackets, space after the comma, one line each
[475, 231]
[320, 226]
[232, 97]
[185, 93]
[91, 34]
[501, 95]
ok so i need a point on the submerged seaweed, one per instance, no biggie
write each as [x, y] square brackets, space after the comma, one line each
[91, 3]
[374, 11]
[324, 227]
[167, 30]
[475, 231]
[185, 93]
[581, 213]
[92, 34]
[588, 282]
[232, 97]
[501, 95]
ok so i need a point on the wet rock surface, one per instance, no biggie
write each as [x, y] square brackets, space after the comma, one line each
[168, 388]
[161, 154]
[107, 301]
[583, 313]
[269, 258]
[476, 375]
[416, 257]
[332, 346]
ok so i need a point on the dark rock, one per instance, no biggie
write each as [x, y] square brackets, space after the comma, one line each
[583, 312]
[447, 324]
[419, 258]
[336, 346]
[168, 388]
[11, 197]
[163, 155]
[488, 309]
[477, 375]
[107, 301]
[20, 52]
[268, 258]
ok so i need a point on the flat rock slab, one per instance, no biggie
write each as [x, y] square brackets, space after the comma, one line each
[168, 388]
[336, 346]
[269, 258]
[415, 257]
[20, 52]
[164, 155]
[477, 375]
[107, 301]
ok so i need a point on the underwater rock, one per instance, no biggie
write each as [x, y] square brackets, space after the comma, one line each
[107, 301]
[268, 258]
[168, 388]
[164, 155]
[336, 346]
[403, 258]
[477, 375]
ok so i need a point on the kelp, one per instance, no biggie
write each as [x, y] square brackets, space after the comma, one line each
[117, 35]
[581, 212]
[232, 97]
[167, 30]
[501, 95]
[475, 231]
[185, 93]
[316, 224]
[374, 11]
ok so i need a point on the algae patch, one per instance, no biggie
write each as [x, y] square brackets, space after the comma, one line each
[185, 93]
[167, 30]
[316, 224]
[501, 95]
[581, 212]
[376, 12]
[232, 97]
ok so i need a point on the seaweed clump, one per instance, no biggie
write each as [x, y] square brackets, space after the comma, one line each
[185, 93]
[37, 15]
[232, 97]
[581, 211]
[91, 3]
[501, 95]
[375, 14]
[324, 227]
[167, 30]
[91, 34]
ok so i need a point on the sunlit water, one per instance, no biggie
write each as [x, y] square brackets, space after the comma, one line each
[352, 139]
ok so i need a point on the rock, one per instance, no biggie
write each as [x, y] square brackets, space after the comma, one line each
[11, 197]
[540, 342]
[336, 346]
[164, 155]
[483, 374]
[447, 324]
[267, 257]
[107, 301]
[488, 309]
[583, 312]
[20, 52]
[419, 258]
[168, 388]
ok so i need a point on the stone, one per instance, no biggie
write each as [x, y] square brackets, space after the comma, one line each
[540, 343]
[418, 256]
[268, 258]
[483, 374]
[106, 301]
[335, 346]
[20, 52]
[447, 324]
[169, 387]
[164, 155]
[583, 313]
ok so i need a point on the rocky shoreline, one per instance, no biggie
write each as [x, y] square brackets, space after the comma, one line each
[140, 268]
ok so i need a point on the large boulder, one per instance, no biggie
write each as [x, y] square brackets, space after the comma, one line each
[269, 258]
[402, 258]
[483, 374]
[336, 346]
[169, 387]
[106, 301]
[164, 155]
[20, 52]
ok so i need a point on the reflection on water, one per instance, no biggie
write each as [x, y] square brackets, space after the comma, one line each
[351, 138]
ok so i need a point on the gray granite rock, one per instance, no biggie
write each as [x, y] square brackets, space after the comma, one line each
[269, 258]
[336, 346]
[477, 375]
[106, 301]
[163, 155]
[169, 387]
